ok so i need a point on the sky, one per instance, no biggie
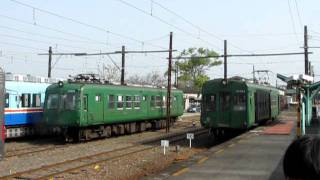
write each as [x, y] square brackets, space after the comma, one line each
[29, 27]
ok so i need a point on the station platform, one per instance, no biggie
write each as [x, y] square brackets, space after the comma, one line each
[256, 154]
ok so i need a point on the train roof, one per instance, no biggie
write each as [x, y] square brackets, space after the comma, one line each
[101, 85]
[240, 82]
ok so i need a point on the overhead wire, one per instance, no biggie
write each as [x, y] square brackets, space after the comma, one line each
[85, 24]
[49, 28]
[23, 46]
[298, 13]
[43, 42]
[50, 37]
[292, 21]
[196, 26]
[167, 23]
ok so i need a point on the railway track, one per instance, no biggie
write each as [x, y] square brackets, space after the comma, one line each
[52, 170]
[36, 148]
[31, 150]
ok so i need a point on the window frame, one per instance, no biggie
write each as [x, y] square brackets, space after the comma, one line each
[111, 104]
[36, 100]
[120, 102]
[7, 100]
[136, 101]
[25, 100]
[128, 101]
[48, 103]
[225, 104]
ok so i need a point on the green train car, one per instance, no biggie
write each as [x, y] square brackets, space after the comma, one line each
[82, 110]
[233, 105]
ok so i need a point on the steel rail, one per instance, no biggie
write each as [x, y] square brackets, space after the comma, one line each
[91, 158]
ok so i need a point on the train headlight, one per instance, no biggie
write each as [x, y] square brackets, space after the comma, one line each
[224, 82]
[60, 84]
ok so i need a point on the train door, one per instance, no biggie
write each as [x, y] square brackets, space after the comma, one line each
[251, 109]
[225, 109]
[95, 105]
[85, 108]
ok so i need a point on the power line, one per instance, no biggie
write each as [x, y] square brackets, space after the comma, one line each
[49, 28]
[292, 21]
[243, 55]
[43, 42]
[18, 45]
[298, 12]
[167, 23]
[195, 26]
[50, 37]
[83, 23]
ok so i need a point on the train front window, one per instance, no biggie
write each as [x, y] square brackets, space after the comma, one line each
[53, 100]
[210, 101]
[239, 102]
[70, 101]
[225, 101]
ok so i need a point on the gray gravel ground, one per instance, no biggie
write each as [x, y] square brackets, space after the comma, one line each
[54, 155]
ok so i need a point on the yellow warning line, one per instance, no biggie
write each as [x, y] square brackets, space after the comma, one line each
[231, 145]
[220, 151]
[180, 171]
[202, 160]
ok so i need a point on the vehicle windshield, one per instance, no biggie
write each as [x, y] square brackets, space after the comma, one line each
[239, 102]
[53, 101]
[68, 101]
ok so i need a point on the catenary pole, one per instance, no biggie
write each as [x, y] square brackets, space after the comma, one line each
[306, 58]
[49, 63]
[122, 64]
[169, 85]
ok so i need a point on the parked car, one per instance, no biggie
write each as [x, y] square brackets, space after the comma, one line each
[194, 108]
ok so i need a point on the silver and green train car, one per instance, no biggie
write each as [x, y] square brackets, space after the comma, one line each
[83, 110]
[237, 105]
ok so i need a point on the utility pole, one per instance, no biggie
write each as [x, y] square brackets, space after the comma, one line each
[306, 58]
[122, 64]
[177, 71]
[169, 85]
[50, 59]
[225, 60]
[253, 74]
[298, 111]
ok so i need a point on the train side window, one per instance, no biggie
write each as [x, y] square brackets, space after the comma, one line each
[210, 101]
[120, 103]
[7, 100]
[85, 103]
[111, 102]
[153, 101]
[158, 101]
[26, 100]
[137, 102]
[164, 101]
[36, 100]
[239, 102]
[98, 98]
[128, 102]
[225, 101]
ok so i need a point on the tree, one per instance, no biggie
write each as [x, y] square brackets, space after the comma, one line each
[194, 69]
[111, 73]
[154, 79]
